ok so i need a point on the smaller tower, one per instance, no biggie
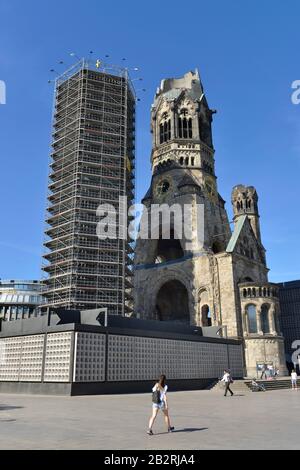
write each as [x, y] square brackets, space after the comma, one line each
[244, 201]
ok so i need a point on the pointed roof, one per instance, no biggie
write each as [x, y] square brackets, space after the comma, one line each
[236, 233]
[242, 222]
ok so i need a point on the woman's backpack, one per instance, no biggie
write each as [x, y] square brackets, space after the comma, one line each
[156, 397]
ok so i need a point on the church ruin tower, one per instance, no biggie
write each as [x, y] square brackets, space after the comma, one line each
[180, 115]
[245, 201]
[209, 275]
[175, 277]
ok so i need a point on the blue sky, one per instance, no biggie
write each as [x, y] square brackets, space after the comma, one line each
[247, 54]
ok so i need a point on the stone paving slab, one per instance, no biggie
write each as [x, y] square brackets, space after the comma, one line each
[203, 420]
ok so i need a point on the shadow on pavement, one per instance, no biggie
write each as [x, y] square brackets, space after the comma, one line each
[181, 430]
[8, 407]
[234, 395]
[189, 429]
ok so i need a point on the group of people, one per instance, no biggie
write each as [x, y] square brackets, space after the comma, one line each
[269, 372]
[160, 402]
[259, 387]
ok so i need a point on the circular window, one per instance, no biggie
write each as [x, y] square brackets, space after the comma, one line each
[165, 186]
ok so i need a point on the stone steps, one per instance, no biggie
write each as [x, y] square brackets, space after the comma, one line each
[244, 385]
[238, 386]
[277, 384]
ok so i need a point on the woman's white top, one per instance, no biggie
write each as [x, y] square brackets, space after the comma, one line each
[294, 375]
[225, 377]
[162, 392]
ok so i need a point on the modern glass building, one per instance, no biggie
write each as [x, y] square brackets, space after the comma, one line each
[92, 163]
[289, 297]
[20, 299]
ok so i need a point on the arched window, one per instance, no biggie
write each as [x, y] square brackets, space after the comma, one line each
[264, 292]
[161, 133]
[181, 160]
[251, 314]
[205, 315]
[190, 131]
[277, 322]
[265, 327]
[253, 291]
[245, 292]
[184, 125]
[187, 160]
[192, 161]
[182, 128]
[165, 131]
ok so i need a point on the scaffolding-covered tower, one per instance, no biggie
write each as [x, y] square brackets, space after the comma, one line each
[92, 163]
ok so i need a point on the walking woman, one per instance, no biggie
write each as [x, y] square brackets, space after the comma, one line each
[160, 402]
[228, 380]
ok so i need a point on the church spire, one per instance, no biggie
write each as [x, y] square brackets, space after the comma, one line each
[245, 202]
[181, 127]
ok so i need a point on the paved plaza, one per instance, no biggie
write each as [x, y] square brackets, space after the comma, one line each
[203, 420]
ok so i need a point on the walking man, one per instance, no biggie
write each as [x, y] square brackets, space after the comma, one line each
[294, 380]
[263, 372]
[227, 380]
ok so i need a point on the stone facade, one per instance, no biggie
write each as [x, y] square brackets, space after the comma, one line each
[201, 280]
